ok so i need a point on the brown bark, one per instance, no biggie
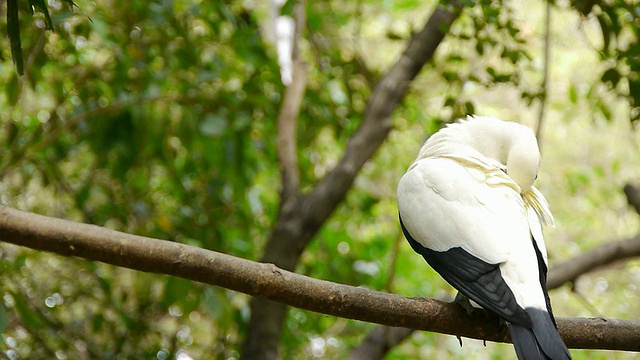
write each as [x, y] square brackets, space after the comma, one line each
[382, 339]
[270, 282]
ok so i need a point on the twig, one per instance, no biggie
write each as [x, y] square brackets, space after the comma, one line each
[547, 64]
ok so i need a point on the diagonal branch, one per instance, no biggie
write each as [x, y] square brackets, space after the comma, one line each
[382, 339]
[300, 217]
[592, 259]
[377, 119]
[267, 281]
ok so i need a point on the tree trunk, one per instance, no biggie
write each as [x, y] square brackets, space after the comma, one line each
[301, 217]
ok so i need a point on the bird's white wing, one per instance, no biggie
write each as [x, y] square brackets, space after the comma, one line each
[472, 227]
[444, 204]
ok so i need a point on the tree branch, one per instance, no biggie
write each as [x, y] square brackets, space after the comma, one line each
[377, 118]
[300, 217]
[591, 259]
[269, 282]
[383, 338]
[266, 320]
[286, 142]
[287, 132]
[545, 76]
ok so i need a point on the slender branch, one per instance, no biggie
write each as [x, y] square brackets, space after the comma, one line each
[284, 245]
[289, 113]
[288, 129]
[591, 259]
[269, 282]
[547, 64]
[395, 250]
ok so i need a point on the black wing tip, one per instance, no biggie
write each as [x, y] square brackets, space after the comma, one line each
[542, 341]
[478, 280]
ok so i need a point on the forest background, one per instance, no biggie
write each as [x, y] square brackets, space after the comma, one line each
[277, 132]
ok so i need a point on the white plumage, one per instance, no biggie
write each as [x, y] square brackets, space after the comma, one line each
[468, 206]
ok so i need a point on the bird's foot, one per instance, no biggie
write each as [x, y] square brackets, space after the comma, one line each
[464, 301]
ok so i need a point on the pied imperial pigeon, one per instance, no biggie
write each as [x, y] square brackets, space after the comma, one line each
[468, 205]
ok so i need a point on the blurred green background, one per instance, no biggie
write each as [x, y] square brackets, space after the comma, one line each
[158, 118]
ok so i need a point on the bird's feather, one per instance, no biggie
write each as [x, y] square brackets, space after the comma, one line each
[480, 281]
[467, 205]
[541, 341]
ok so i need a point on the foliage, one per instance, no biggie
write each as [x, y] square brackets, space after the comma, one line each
[620, 23]
[158, 118]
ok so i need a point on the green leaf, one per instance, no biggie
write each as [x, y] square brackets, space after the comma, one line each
[96, 323]
[573, 93]
[4, 319]
[470, 109]
[212, 302]
[13, 30]
[31, 318]
[42, 6]
[175, 289]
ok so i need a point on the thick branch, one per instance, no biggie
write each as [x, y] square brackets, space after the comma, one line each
[377, 119]
[384, 338]
[301, 217]
[267, 281]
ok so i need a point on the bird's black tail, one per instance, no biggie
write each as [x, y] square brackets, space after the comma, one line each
[542, 341]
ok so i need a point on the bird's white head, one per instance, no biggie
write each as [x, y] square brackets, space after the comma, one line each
[491, 143]
[512, 146]
[523, 160]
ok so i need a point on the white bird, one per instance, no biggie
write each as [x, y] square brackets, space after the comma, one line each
[468, 206]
